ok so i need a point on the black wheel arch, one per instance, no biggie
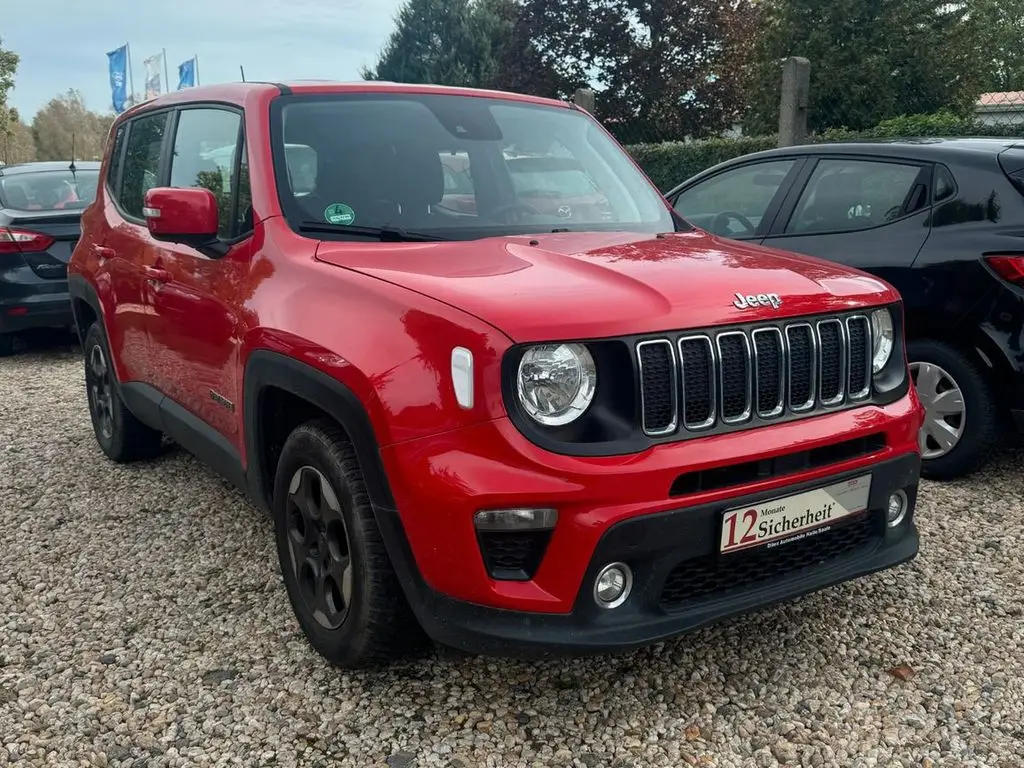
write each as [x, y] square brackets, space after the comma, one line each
[85, 305]
[267, 371]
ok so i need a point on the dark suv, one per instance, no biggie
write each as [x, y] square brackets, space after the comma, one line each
[41, 206]
[942, 220]
[515, 430]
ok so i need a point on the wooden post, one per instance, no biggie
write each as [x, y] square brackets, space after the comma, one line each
[584, 99]
[796, 82]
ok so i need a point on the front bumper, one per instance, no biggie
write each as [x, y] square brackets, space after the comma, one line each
[674, 552]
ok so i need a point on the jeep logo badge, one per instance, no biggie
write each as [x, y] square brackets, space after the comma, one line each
[760, 300]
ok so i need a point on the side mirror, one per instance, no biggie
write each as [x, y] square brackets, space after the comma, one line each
[186, 215]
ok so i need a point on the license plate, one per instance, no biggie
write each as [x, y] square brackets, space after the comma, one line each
[794, 517]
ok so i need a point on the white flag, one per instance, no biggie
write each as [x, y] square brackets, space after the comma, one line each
[153, 66]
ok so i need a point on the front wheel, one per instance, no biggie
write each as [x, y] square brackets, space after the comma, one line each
[960, 430]
[336, 570]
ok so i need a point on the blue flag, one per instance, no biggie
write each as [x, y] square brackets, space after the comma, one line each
[117, 62]
[187, 74]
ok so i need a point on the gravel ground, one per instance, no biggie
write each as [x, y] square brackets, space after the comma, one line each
[143, 622]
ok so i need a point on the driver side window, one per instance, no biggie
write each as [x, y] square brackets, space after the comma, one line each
[747, 191]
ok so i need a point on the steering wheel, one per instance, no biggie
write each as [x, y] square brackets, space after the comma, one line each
[721, 222]
[509, 207]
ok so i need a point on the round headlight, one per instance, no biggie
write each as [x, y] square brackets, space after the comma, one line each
[882, 336]
[556, 383]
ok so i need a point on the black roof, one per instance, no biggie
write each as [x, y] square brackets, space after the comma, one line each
[931, 148]
[48, 165]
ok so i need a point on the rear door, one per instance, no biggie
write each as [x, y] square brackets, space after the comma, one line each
[740, 202]
[125, 255]
[867, 212]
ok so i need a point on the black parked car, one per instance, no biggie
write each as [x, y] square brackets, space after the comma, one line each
[41, 207]
[940, 219]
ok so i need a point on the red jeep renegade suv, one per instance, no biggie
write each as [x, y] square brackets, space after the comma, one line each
[508, 429]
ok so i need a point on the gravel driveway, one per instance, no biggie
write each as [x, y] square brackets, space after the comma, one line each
[143, 622]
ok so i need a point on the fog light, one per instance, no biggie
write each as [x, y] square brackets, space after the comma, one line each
[515, 519]
[897, 509]
[612, 585]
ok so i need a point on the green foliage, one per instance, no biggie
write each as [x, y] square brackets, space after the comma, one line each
[8, 67]
[65, 124]
[661, 69]
[468, 43]
[1002, 24]
[870, 59]
[672, 162]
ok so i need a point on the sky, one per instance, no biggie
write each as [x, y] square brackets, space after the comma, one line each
[63, 43]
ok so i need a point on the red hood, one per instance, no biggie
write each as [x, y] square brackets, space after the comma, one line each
[591, 285]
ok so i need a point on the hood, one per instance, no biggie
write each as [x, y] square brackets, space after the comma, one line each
[590, 285]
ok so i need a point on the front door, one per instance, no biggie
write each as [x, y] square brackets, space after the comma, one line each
[864, 212]
[199, 298]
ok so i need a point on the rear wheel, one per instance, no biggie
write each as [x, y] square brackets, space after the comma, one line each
[961, 429]
[121, 436]
[6, 344]
[336, 570]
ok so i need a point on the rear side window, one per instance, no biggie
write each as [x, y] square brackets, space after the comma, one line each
[846, 195]
[141, 171]
[116, 151]
[944, 184]
[206, 153]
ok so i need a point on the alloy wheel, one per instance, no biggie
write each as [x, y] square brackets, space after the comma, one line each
[318, 543]
[945, 414]
[101, 391]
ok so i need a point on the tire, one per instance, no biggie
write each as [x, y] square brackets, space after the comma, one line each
[6, 344]
[337, 573]
[121, 436]
[978, 425]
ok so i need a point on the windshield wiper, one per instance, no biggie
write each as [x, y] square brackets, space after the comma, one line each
[384, 234]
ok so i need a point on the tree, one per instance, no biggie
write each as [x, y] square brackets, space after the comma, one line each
[16, 143]
[870, 60]
[664, 69]
[8, 67]
[468, 43]
[65, 125]
[1002, 24]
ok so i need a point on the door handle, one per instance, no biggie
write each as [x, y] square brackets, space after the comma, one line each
[157, 275]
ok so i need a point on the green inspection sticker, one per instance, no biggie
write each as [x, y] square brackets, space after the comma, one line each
[339, 213]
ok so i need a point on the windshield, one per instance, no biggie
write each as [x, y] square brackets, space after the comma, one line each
[457, 167]
[48, 190]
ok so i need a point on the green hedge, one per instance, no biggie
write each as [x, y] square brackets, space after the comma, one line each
[673, 162]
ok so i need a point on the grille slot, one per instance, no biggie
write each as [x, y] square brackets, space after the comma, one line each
[858, 332]
[832, 362]
[769, 371]
[697, 358]
[658, 386]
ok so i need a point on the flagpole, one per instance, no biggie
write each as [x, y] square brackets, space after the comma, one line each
[195, 60]
[131, 77]
[167, 77]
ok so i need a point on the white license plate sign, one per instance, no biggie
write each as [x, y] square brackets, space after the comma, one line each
[794, 517]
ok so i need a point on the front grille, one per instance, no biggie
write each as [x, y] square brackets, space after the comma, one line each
[721, 575]
[691, 383]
